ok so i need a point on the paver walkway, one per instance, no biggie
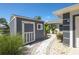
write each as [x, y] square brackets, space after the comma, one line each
[41, 47]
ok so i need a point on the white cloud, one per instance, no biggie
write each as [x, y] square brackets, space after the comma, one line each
[47, 18]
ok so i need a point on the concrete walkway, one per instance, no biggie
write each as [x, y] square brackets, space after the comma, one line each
[41, 47]
[74, 51]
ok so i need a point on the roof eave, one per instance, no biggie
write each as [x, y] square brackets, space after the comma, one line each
[67, 9]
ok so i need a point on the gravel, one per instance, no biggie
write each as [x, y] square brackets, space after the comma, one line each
[50, 46]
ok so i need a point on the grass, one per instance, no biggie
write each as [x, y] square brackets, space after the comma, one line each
[9, 45]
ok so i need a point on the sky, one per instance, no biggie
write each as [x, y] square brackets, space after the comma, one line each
[31, 9]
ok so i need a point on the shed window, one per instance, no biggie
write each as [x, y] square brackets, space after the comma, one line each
[39, 26]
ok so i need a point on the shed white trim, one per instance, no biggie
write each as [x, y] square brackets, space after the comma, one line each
[41, 26]
[28, 22]
[15, 24]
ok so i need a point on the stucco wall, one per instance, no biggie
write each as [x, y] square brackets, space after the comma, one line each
[72, 30]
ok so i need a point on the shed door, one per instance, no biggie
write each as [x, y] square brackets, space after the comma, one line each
[29, 32]
[77, 31]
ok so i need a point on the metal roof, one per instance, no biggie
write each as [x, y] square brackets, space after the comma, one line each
[59, 21]
[25, 18]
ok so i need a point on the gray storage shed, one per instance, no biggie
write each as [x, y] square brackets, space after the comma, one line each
[30, 29]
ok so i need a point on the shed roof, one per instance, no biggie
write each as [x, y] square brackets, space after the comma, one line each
[32, 19]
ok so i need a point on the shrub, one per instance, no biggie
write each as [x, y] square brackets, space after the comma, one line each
[60, 36]
[55, 31]
[47, 28]
[53, 27]
[9, 45]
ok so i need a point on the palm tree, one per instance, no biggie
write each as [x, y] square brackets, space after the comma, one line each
[3, 21]
[37, 17]
[47, 28]
[53, 27]
[5, 27]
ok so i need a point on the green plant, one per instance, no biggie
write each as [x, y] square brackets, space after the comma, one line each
[55, 31]
[37, 18]
[47, 29]
[4, 30]
[60, 36]
[10, 45]
[0, 30]
[3, 21]
[53, 27]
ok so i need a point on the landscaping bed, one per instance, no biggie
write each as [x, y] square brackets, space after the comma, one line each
[58, 48]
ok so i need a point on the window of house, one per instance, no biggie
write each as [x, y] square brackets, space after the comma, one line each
[39, 26]
[66, 16]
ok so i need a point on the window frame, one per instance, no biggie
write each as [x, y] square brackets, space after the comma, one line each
[41, 26]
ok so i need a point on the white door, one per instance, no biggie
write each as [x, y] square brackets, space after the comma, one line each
[77, 31]
[28, 31]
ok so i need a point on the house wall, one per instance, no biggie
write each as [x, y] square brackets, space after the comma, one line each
[74, 41]
[61, 27]
[69, 30]
[66, 28]
[77, 31]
